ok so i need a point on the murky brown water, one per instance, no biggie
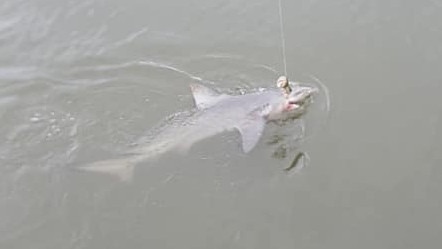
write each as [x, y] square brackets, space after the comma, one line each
[81, 80]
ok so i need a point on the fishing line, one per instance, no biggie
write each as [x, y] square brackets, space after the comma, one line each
[281, 25]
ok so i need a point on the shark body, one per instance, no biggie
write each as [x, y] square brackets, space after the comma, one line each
[215, 113]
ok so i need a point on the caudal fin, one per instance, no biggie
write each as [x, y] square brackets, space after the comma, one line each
[122, 168]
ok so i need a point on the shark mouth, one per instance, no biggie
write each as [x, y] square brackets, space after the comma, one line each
[301, 95]
[300, 102]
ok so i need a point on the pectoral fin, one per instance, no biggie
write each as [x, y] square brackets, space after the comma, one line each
[251, 131]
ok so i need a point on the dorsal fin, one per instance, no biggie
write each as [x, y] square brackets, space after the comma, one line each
[205, 97]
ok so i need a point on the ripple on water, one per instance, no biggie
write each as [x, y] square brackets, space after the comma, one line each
[40, 138]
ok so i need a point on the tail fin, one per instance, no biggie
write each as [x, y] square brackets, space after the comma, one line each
[122, 168]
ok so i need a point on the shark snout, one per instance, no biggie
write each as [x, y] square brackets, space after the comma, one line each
[300, 94]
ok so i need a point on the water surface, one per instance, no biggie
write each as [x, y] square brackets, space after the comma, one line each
[82, 80]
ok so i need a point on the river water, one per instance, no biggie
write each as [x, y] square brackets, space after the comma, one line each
[82, 80]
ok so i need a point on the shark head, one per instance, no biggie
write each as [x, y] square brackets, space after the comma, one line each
[287, 106]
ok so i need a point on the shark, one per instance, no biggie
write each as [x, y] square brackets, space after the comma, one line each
[214, 113]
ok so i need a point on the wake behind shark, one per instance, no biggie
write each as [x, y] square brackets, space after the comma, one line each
[215, 113]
